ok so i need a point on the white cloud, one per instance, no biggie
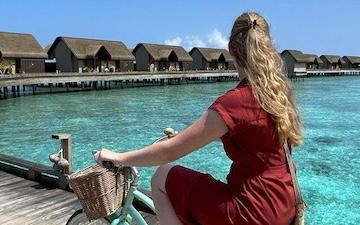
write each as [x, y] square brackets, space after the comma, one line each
[214, 39]
[193, 41]
[217, 39]
[188, 42]
[175, 41]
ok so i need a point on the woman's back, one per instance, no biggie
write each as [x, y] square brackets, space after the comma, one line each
[258, 176]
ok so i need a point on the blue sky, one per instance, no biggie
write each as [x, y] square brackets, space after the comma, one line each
[313, 26]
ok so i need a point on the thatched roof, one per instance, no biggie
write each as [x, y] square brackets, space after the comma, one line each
[88, 48]
[312, 58]
[213, 54]
[300, 57]
[332, 58]
[353, 59]
[15, 45]
[162, 52]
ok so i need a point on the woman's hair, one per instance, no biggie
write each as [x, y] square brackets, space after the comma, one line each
[252, 48]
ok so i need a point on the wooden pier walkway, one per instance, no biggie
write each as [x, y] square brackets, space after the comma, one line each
[325, 73]
[27, 202]
[30, 84]
[36, 194]
[45, 78]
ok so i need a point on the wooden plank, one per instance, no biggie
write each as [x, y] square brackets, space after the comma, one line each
[10, 181]
[13, 186]
[27, 202]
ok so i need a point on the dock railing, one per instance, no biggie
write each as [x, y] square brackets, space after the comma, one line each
[40, 172]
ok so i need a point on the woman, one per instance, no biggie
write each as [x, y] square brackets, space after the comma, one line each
[253, 120]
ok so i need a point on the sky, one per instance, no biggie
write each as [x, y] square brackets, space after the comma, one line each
[312, 26]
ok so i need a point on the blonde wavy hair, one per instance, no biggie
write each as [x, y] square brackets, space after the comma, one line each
[253, 50]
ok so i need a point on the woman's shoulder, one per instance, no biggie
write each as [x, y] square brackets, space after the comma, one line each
[237, 95]
[236, 106]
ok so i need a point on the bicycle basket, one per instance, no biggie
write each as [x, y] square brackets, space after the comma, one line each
[99, 190]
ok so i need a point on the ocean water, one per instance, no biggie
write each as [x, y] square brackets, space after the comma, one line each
[328, 162]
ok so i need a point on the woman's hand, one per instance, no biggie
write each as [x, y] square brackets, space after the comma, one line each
[106, 155]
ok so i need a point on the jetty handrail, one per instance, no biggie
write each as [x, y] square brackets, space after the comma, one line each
[40, 172]
[29, 169]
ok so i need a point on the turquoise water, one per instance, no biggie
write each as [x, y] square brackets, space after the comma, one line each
[328, 162]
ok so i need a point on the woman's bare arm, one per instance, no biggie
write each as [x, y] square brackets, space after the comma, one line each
[207, 128]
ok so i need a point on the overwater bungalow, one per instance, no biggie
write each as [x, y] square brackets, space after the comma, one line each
[156, 57]
[87, 55]
[296, 62]
[314, 61]
[20, 53]
[332, 62]
[352, 61]
[211, 59]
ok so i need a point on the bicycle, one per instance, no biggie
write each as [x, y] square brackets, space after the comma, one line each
[128, 212]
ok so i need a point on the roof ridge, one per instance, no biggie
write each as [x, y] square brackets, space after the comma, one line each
[162, 45]
[211, 48]
[331, 55]
[89, 39]
[7, 32]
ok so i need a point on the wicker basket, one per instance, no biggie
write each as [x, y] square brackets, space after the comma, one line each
[99, 190]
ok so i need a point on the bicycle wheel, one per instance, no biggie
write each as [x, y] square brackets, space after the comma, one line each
[80, 218]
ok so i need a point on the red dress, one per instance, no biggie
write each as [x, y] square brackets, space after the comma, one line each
[259, 188]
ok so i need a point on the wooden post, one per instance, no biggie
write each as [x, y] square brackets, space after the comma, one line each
[5, 92]
[65, 143]
[13, 90]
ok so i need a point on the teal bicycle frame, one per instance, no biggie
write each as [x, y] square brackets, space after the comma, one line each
[128, 212]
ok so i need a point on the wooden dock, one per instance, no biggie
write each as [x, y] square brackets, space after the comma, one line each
[36, 194]
[28, 202]
[44, 78]
[24, 201]
[29, 84]
[325, 73]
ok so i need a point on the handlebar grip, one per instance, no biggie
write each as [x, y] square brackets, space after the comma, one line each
[108, 165]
